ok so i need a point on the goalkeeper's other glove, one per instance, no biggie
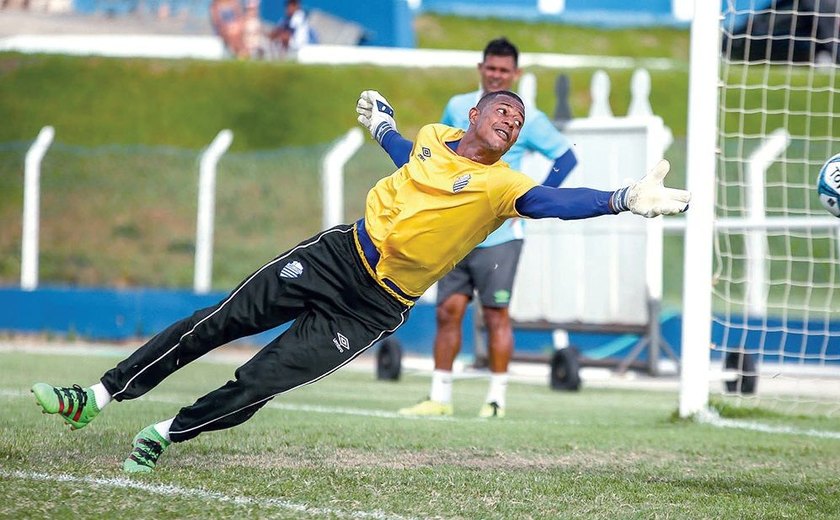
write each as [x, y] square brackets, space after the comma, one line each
[375, 114]
[649, 197]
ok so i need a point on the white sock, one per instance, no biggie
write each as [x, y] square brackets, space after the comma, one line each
[441, 386]
[102, 395]
[163, 428]
[498, 388]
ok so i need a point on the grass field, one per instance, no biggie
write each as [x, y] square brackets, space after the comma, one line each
[336, 449]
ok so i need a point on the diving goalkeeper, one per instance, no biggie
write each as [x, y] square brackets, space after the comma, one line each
[350, 286]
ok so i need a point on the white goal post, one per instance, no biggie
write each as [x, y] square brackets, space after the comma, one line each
[700, 167]
[761, 292]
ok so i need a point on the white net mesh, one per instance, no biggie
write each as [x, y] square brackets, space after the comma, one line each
[776, 294]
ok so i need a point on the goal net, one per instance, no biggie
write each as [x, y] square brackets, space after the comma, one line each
[774, 283]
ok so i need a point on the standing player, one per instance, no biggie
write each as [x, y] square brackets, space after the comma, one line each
[490, 268]
[352, 285]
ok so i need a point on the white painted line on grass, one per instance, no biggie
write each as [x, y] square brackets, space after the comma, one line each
[331, 410]
[197, 493]
[349, 411]
[711, 417]
[334, 410]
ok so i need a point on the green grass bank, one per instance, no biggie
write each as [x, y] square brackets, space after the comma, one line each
[184, 103]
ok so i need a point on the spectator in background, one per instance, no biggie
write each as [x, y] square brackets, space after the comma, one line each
[293, 32]
[228, 21]
[252, 31]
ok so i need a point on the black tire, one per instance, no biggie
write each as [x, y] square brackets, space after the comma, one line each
[389, 360]
[747, 375]
[565, 370]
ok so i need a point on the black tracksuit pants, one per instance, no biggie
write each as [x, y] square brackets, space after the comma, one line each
[338, 310]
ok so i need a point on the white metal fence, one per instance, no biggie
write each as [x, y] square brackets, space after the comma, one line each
[332, 169]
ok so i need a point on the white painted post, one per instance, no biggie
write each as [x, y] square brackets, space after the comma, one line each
[697, 277]
[206, 210]
[31, 208]
[551, 6]
[599, 89]
[528, 89]
[682, 9]
[640, 107]
[640, 94]
[759, 161]
[332, 176]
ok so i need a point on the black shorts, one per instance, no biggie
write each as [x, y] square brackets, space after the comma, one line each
[488, 270]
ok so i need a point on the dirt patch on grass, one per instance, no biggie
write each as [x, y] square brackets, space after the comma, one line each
[354, 458]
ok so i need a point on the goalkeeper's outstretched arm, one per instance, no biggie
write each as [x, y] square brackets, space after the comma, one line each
[647, 197]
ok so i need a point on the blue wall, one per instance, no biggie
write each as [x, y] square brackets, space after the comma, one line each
[99, 314]
[609, 13]
[388, 23]
[117, 315]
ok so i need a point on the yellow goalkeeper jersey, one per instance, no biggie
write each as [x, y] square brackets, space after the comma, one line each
[428, 215]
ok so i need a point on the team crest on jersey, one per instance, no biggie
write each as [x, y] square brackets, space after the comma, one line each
[291, 270]
[461, 183]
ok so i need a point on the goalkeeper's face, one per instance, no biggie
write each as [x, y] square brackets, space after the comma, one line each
[498, 121]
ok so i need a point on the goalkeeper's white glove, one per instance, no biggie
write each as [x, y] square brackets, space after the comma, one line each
[375, 114]
[649, 197]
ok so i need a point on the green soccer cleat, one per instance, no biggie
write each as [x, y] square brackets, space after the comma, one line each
[427, 408]
[148, 445]
[74, 404]
[491, 410]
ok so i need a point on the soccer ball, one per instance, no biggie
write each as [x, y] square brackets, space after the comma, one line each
[828, 185]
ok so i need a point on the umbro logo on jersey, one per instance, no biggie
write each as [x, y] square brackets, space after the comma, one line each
[424, 153]
[341, 342]
[291, 270]
[461, 183]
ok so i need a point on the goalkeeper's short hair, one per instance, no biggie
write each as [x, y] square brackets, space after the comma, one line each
[486, 98]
